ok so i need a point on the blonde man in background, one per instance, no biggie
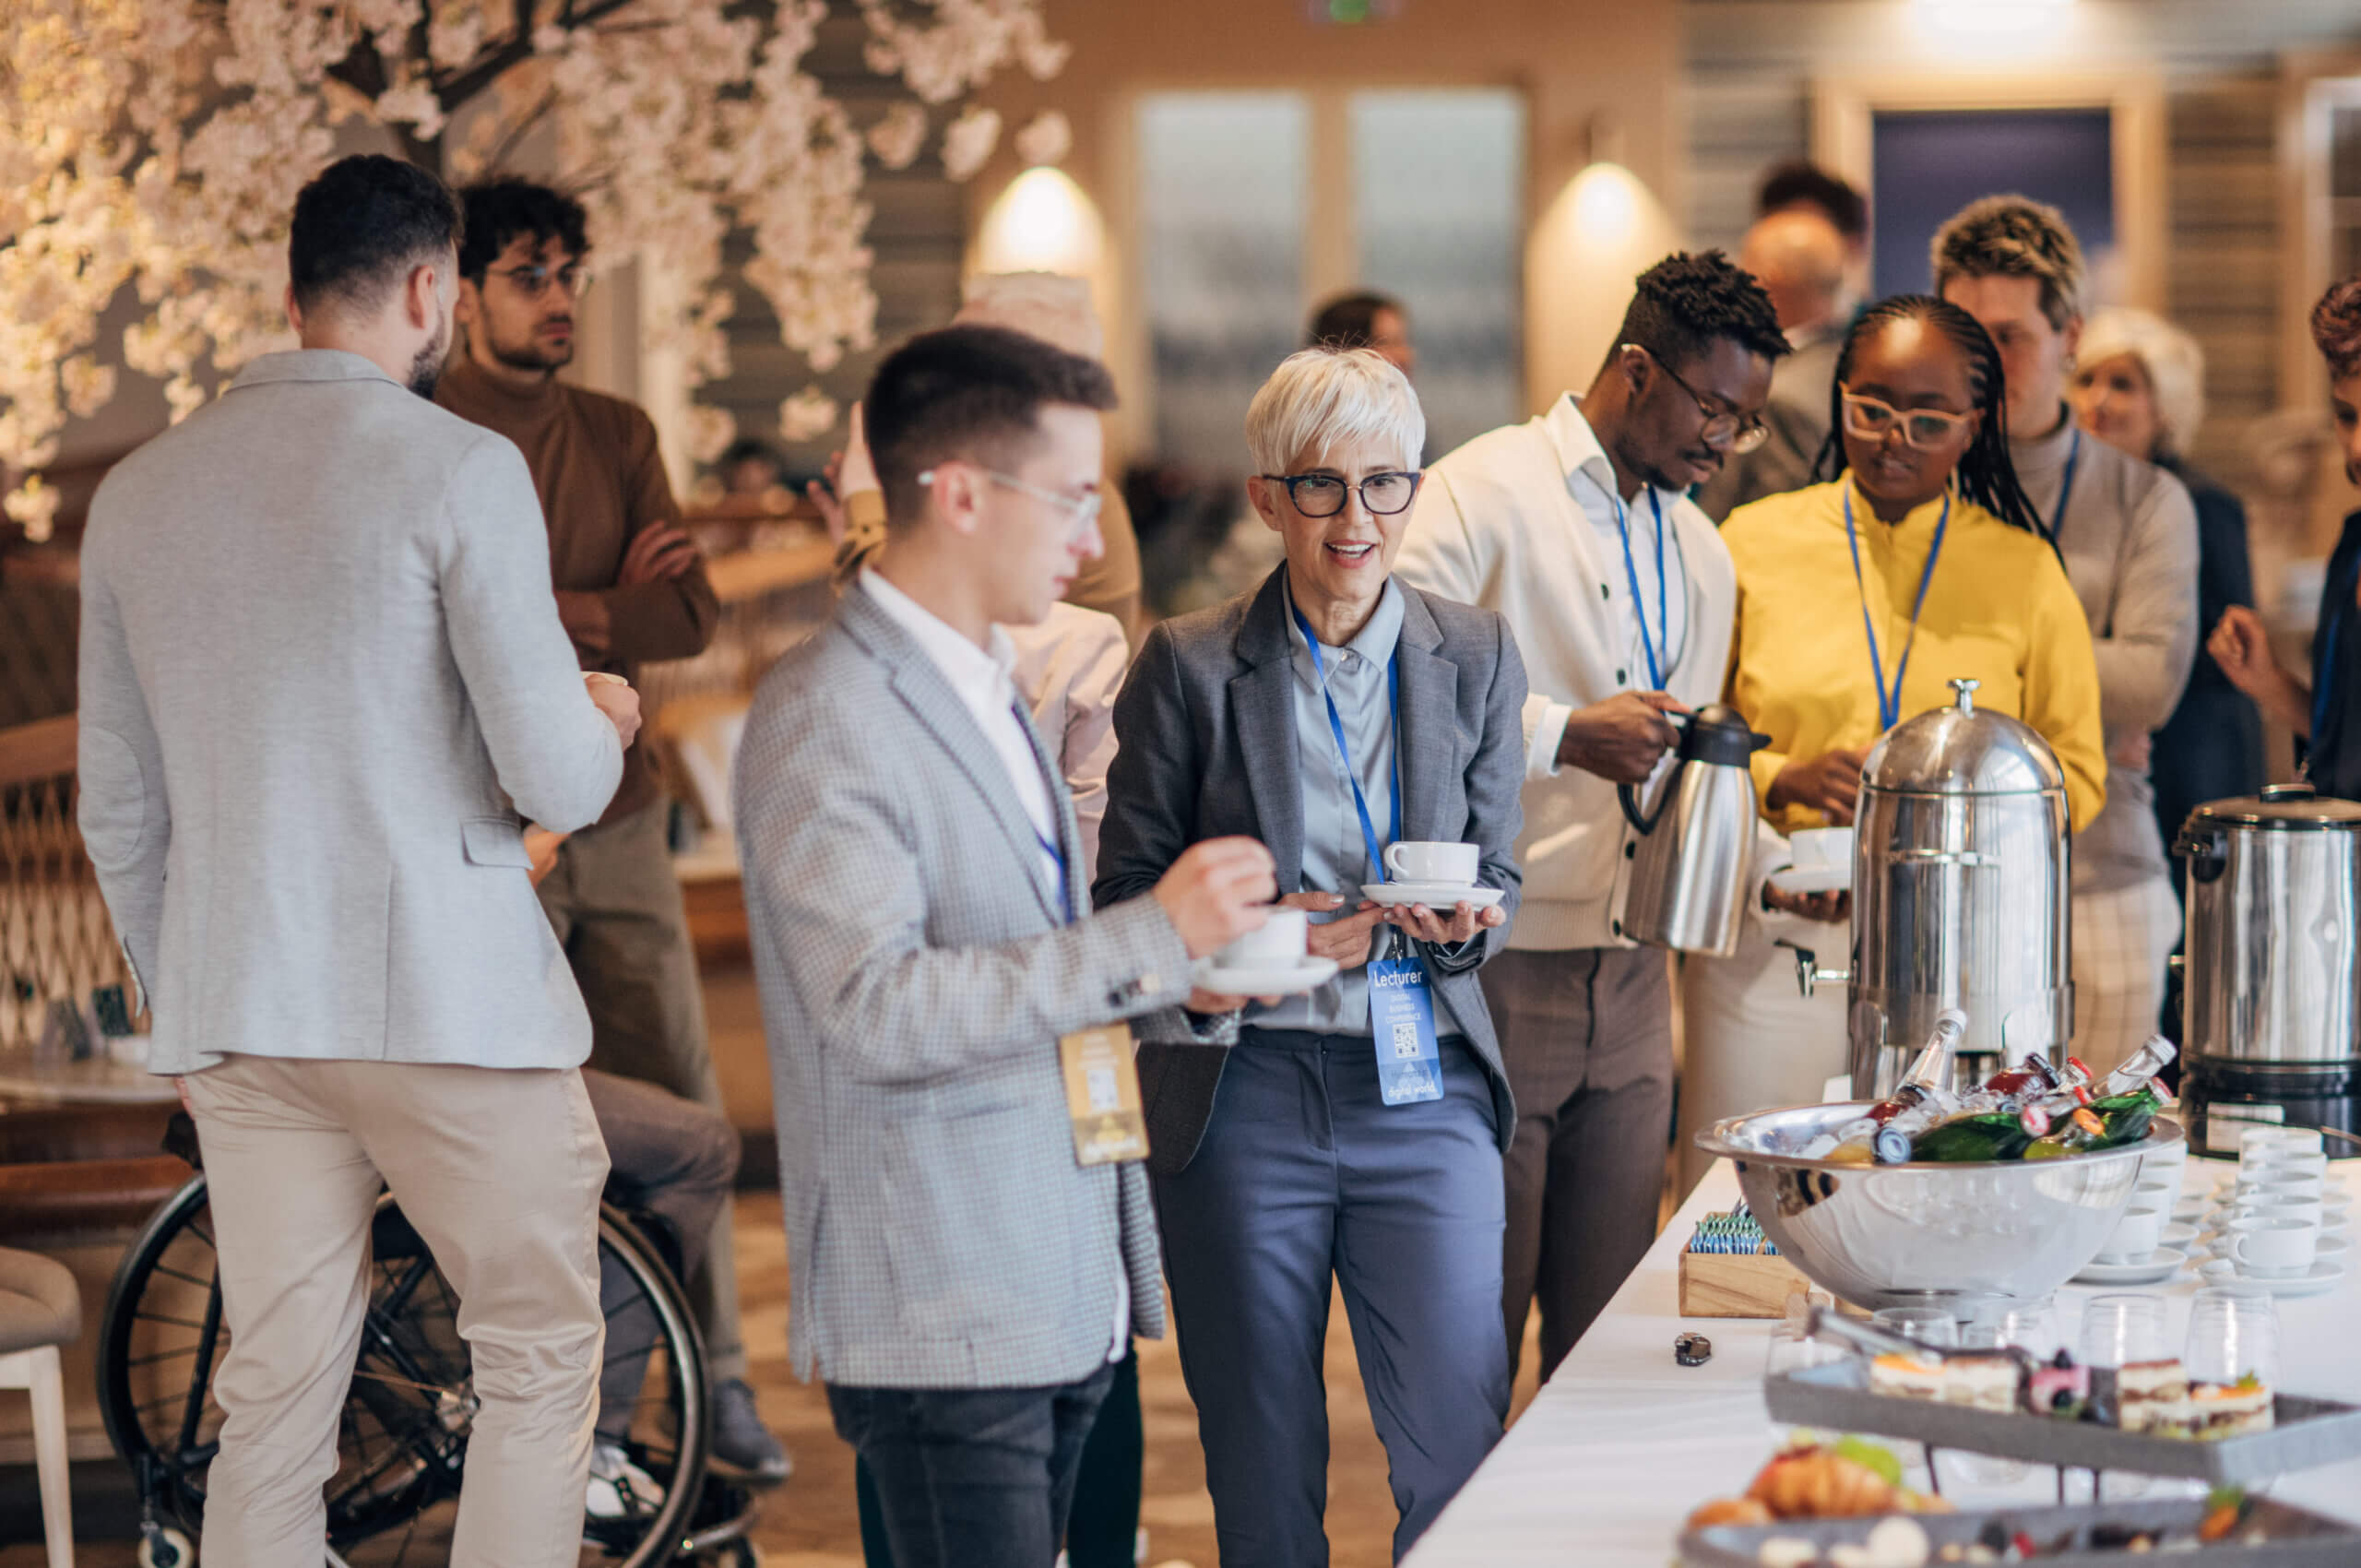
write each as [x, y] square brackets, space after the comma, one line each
[2128, 533]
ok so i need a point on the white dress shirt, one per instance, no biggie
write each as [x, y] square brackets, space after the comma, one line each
[982, 677]
[1522, 520]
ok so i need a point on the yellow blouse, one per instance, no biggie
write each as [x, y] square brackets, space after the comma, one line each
[1999, 611]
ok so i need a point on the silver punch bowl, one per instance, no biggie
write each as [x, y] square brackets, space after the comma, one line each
[1902, 1235]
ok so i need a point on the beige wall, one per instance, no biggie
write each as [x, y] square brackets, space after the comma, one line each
[1576, 62]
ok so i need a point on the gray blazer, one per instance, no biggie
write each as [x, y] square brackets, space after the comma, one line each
[321, 673]
[1205, 745]
[915, 977]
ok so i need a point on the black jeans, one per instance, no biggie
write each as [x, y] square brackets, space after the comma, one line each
[980, 1478]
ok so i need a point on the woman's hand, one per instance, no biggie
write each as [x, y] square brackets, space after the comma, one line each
[2241, 646]
[1829, 783]
[1832, 906]
[1346, 939]
[1461, 925]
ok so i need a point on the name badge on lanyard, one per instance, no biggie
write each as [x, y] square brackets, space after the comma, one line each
[1102, 1081]
[1401, 999]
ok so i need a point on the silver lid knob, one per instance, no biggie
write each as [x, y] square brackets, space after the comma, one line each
[1966, 690]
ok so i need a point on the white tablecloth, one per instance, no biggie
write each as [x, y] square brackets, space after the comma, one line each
[1623, 1442]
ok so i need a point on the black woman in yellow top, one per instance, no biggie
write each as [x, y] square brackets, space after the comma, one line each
[1859, 600]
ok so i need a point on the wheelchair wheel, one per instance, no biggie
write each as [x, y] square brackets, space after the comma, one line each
[402, 1437]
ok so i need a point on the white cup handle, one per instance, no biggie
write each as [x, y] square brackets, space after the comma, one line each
[2237, 1247]
[1392, 866]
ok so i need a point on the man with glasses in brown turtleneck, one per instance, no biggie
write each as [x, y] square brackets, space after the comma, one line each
[631, 588]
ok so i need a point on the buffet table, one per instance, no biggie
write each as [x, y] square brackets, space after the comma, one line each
[1623, 1442]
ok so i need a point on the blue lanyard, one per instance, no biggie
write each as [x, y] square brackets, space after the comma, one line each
[1890, 704]
[2066, 488]
[1631, 573]
[1049, 847]
[1344, 752]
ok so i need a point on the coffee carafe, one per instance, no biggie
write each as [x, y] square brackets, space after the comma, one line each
[1690, 860]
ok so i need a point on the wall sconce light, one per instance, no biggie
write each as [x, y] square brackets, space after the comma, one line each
[1042, 222]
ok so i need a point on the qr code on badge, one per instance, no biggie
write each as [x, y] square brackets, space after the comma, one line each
[1406, 1041]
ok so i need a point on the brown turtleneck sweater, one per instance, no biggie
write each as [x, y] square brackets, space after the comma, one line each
[602, 481]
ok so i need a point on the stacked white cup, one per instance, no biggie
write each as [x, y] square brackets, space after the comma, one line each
[2278, 1205]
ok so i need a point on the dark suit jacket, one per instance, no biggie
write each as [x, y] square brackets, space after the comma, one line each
[1205, 746]
[2212, 746]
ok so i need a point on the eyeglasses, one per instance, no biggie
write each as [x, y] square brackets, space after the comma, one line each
[1323, 495]
[1740, 434]
[1082, 511]
[535, 280]
[1926, 429]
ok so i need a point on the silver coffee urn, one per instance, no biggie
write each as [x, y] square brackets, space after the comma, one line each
[1960, 876]
[2271, 1029]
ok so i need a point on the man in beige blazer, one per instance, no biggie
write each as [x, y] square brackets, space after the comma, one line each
[322, 683]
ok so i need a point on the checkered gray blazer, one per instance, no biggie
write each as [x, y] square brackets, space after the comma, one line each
[915, 977]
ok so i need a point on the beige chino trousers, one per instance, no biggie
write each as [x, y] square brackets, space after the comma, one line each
[499, 1172]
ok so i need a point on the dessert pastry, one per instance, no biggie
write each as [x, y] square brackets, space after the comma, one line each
[1731, 1511]
[1906, 1377]
[1819, 1484]
[2226, 1409]
[2146, 1392]
[1983, 1380]
[2059, 1387]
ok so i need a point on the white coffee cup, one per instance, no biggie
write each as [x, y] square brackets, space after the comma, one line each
[2289, 1164]
[1280, 940]
[2297, 1140]
[2135, 1235]
[2305, 1206]
[1821, 849]
[1413, 860]
[2275, 1249]
[2155, 1190]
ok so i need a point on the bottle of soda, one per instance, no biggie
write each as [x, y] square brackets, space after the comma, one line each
[1983, 1135]
[2139, 1070]
[1922, 1099]
[2014, 1085]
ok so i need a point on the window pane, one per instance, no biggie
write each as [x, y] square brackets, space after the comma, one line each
[1222, 193]
[1437, 208]
[1928, 165]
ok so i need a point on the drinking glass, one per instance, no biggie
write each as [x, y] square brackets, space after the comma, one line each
[2120, 1329]
[1927, 1325]
[2002, 1323]
[2232, 1337]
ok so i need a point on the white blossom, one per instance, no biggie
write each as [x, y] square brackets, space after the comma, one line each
[808, 415]
[968, 140]
[898, 138]
[1047, 138]
[157, 147]
[710, 433]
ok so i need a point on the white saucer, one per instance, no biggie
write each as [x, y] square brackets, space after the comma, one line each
[1439, 896]
[2181, 1236]
[2324, 1276]
[2160, 1265]
[1276, 980]
[1812, 879]
[2332, 1244]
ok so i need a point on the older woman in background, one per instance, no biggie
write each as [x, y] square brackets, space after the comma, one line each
[2139, 387]
[1332, 712]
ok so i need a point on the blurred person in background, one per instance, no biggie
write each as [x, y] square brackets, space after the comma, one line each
[1056, 310]
[1800, 186]
[750, 467]
[1798, 256]
[2128, 532]
[2326, 715]
[2138, 386]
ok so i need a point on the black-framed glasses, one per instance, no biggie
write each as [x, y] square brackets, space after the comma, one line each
[1740, 434]
[574, 277]
[1323, 495]
[1926, 429]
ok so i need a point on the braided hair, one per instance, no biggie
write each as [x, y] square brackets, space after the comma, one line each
[1985, 474]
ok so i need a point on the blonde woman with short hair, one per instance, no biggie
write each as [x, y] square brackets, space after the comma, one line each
[1332, 712]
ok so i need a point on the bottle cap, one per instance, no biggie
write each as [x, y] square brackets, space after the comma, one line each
[1891, 1147]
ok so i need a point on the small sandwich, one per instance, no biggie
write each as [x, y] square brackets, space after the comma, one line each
[1906, 1377]
[2226, 1409]
[2146, 1392]
[1983, 1380]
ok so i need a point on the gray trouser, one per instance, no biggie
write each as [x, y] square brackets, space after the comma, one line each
[1304, 1175]
[616, 907]
[1586, 1037]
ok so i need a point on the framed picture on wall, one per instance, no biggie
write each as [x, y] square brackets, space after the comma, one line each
[1925, 145]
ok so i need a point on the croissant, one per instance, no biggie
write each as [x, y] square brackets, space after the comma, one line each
[1820, 1485]
[1730, 1511]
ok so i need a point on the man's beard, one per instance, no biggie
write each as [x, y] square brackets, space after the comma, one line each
[530, 355]
[427, 369]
